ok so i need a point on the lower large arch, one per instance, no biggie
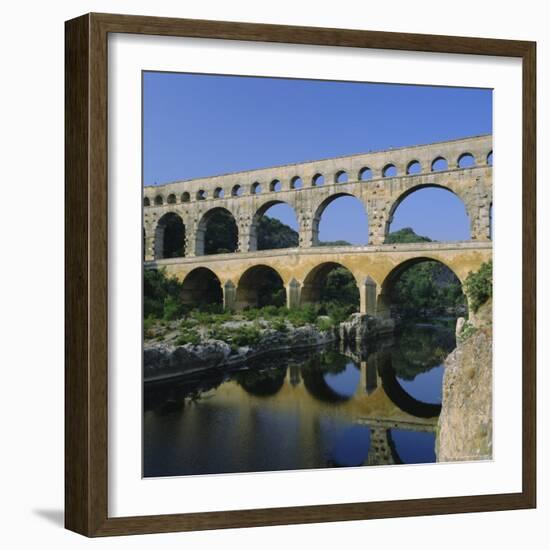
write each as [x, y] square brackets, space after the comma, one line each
[170, 237]
[424, 289]
[217, 233]
[342, 290]
[201, 287]
[260, 286]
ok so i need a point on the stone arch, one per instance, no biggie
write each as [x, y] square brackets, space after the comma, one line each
[466, 160]
[218, 193]
[341, 177]
[389, 171]
[258, 286]
[169, 237]
[146, 201]
[383, 302]
[321, 207]
[318, 180]
[185, 196]
[439, 164]
[171, 199]
[159, 200]
[296, 182]
[489, 158]
[255, 223]
[237, 190]
[414, 167]
[255, 188]
[275, 186]
[201, 244]
[315, 280]
[202, 287]
[399, 200]
[201, 195]
[364, 174]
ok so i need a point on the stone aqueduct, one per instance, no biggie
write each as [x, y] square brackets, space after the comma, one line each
[379, 180]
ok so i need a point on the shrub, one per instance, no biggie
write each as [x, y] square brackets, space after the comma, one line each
[188, 336]
[467, 330]
[172, 309]
[338, 312]
[280, 325]
[479, 285]
[242, 336]
[324, 324]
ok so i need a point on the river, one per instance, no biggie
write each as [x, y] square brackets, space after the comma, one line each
[376, 405]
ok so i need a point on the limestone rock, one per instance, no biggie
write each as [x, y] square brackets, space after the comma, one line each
[465, 428]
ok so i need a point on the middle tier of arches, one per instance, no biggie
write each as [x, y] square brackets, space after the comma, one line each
[160, 223]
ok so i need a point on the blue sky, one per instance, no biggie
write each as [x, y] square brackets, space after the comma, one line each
[203, 125]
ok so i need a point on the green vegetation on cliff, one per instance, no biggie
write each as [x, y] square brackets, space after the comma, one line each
[479, 285]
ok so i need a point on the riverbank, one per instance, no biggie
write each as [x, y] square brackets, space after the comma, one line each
[182, 348]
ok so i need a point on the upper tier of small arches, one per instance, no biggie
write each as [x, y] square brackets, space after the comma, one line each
[307, 175]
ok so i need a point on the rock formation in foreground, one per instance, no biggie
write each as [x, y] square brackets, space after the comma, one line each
[465, 429]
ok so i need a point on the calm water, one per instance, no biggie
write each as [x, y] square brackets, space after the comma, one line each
[324, 409]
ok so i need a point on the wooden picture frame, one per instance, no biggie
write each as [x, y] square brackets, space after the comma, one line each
[86, 280]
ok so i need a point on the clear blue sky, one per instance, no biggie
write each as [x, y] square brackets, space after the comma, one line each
[203, 125]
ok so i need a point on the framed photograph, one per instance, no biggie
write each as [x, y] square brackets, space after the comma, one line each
[300, 274]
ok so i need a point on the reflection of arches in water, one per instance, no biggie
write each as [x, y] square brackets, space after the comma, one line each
[413, 447]
[406, 402]
[263, 383]
[313, 375]
[170, 397]
[350, 447]
[345, 382]
[418, 349]
[382, 449]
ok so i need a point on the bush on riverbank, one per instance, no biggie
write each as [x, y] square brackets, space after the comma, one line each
[479, 285]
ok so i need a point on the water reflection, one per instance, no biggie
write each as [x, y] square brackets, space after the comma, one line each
[330, 408]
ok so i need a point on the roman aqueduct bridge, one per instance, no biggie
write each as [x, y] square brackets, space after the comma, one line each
[379, 180]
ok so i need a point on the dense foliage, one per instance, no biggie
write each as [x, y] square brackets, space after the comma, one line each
[424, 287]
[161, 295]
[221, 233]
[479, 285]
[274, 234]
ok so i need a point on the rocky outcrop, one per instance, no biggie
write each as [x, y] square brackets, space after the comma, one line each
[465, 428]
[165, 360]
[359, 327]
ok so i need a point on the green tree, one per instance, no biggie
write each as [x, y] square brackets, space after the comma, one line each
[479, 285]
[161, 295]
